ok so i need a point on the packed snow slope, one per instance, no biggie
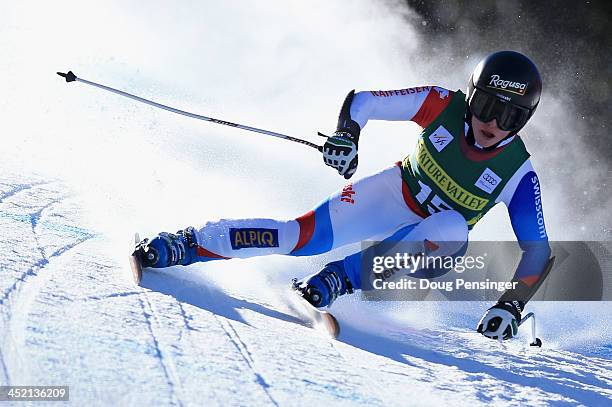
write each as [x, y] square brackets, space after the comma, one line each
[81, 170]
[70, 315]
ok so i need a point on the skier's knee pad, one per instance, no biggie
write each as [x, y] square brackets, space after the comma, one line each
[316, 234]
[446, 232]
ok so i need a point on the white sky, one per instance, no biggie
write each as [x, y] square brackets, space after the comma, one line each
[284, 66]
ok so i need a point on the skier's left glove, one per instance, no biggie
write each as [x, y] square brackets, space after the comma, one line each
[501, 320]
[340, 152]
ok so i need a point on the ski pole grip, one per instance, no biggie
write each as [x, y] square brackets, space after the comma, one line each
[70, 76]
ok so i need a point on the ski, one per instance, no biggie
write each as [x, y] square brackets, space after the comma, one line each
[320, 320]
[135, 265]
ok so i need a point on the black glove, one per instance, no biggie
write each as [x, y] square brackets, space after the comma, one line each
[501, 320]
[340, 152]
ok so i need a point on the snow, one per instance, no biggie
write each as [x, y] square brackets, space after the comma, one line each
[81, 170]
[70, 315]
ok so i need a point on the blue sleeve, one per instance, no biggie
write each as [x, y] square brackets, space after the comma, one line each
[527, 218]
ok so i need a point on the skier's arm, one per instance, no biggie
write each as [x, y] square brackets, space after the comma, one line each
[420, 105]
[524, 201]
[523, 198]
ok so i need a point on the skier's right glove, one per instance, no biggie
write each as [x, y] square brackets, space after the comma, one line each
[340, 152]
[501, 320]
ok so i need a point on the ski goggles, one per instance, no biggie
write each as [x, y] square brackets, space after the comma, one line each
[487, 107]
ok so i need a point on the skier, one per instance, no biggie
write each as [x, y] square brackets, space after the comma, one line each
[468, 158]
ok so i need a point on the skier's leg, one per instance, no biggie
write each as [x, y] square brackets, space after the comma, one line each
[441, 234]
[219, 240]
[371, 206]
[375, 205]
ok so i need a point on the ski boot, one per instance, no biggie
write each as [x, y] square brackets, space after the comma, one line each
[322, 289]
[167, 249]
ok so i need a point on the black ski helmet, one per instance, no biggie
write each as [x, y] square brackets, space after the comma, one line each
[505, 85]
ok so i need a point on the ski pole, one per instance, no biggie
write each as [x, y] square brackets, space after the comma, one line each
[71, 77]
[534, 340]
